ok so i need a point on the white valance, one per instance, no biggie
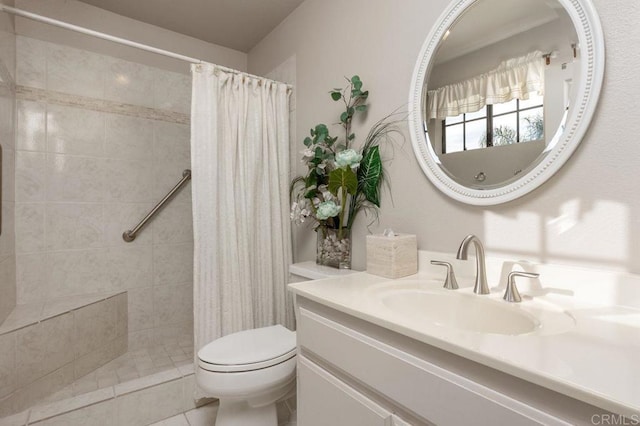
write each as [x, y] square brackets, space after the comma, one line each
[513, 78]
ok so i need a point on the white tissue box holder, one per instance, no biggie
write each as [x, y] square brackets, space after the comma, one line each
[392, 256]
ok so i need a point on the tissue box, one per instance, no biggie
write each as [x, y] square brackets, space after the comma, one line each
[392, 256]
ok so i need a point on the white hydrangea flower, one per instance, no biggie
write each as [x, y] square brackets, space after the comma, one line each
[327, 209]
[348, 158]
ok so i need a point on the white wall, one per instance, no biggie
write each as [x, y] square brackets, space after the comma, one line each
[587, 214]
[88, 16]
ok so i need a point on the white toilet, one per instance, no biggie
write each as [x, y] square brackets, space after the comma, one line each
[249, 372]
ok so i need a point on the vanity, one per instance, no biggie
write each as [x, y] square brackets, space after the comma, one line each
[498, 103]
[377, 351]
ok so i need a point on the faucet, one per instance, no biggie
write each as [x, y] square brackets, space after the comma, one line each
[480, 286]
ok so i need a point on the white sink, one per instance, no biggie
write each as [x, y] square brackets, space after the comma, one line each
[425, 302]
[460, 311]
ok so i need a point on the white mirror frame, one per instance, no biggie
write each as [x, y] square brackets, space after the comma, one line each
[591, 42]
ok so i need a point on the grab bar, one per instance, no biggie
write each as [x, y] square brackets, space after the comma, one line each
[130, 235]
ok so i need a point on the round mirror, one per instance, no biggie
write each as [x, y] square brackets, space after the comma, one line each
[502, 93]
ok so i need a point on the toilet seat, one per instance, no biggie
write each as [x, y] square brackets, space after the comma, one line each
[248, 350]
[230, 368]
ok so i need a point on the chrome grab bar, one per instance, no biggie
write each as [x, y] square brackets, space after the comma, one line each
[130, 235]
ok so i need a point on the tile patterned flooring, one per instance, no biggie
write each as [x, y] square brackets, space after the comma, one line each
[148, 361]
[129, 366]
[205, 416]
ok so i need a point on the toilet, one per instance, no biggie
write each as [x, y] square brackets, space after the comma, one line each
[249, 372]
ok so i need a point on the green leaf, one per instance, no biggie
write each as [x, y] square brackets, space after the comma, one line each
[311, 180]
[350, 111]
[321, 133]
[307, 142]
[352, 136]
[369, 175]
[344, 179]
[362, 108]
[336, 96]
[321, 128]
[344, 117]
[365, 95]
[355, 93]
[357, 83]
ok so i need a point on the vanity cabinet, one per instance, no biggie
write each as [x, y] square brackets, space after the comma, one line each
[330, 401]
[352, 372]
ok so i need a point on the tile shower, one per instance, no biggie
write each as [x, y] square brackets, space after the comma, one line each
[7, 235]
[98, 141]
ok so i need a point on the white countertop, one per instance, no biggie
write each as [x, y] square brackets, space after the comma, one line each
[597, 360]
[313, 271]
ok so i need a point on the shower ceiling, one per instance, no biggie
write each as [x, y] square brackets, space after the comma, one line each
[237, 24]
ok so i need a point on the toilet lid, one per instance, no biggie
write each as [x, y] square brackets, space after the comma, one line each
[243, 350]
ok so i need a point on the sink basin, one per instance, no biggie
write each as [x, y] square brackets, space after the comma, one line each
[459, 311]
[425, 303]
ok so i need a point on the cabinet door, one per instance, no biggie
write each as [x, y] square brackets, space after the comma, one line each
[428, 390]
[323, 400]
[397, 421]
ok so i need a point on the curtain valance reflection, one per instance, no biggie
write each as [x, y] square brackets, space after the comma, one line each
[513, 78]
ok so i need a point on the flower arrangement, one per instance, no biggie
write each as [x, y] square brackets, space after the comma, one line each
[340, 181]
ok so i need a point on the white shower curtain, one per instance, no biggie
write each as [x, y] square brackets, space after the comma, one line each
[240, 186]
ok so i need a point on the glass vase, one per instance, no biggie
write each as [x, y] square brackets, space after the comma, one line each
[333, 248]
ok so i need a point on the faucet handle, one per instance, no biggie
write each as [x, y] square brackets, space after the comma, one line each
[450, 282]
[512, 294]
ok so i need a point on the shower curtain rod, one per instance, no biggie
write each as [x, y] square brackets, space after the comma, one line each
[119, 40]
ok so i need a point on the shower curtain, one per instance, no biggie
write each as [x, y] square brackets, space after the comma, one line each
[240, 187]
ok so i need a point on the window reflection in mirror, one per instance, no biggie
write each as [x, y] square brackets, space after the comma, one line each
[505, 123]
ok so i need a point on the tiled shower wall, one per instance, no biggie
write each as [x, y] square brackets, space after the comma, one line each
[99, 141]
[7, 122]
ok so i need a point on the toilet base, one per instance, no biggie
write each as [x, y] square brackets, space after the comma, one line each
[240, 413]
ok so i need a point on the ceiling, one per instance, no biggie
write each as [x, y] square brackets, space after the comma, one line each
[490, 21]
[237, 24]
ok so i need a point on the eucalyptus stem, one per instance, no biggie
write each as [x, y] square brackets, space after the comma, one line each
[323, 229]
[347, 123]
[313, 208]
[342, 209]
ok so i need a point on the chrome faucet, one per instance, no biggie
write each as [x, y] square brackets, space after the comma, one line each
[480, 286]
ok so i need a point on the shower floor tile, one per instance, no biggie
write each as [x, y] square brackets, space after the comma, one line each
[129, 366]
